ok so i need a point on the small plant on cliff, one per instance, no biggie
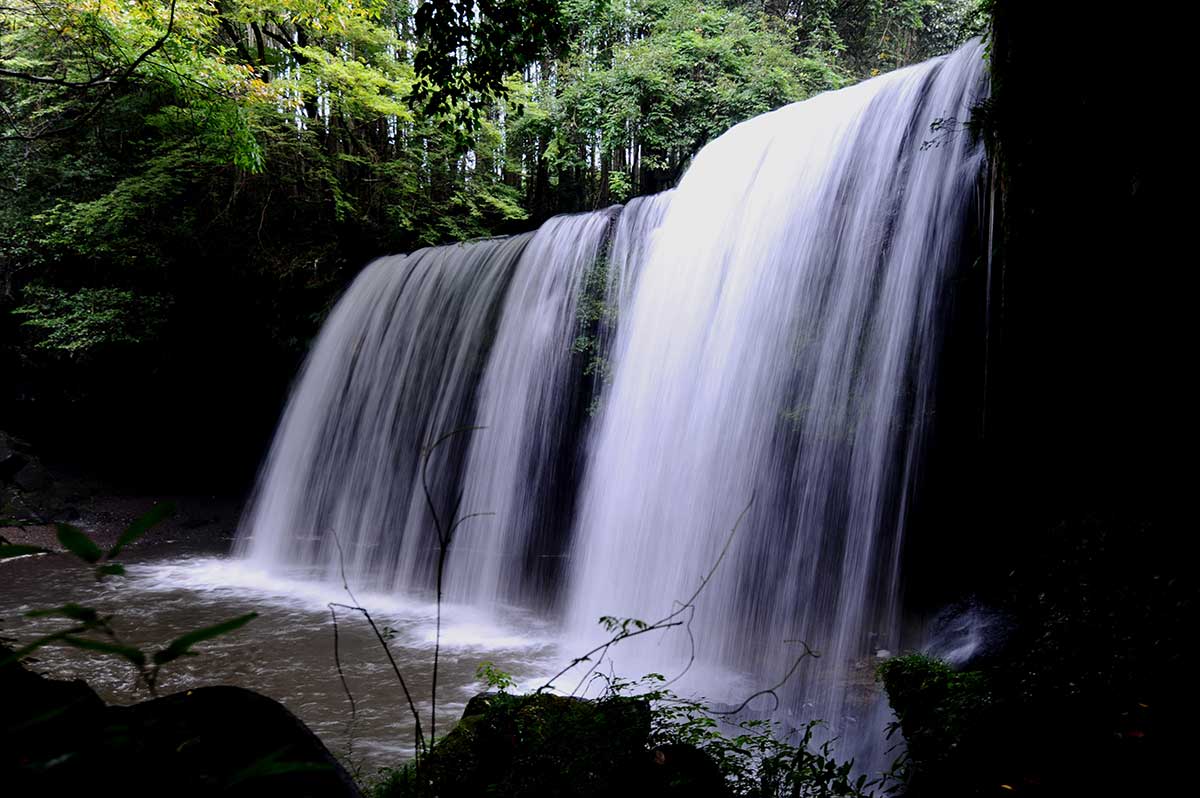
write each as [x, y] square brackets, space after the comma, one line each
[756, 758]
[494, 678]
[937, 708]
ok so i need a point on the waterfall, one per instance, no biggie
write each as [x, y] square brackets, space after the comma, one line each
[521, 461]
[394, 366]
[769, 329]
[479, 338]
[783, 341]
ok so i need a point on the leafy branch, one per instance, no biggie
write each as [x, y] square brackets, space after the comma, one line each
[109, 81]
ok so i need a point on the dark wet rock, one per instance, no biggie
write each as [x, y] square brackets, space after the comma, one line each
[19, 466]
[13, 456]
[31, 477]
[59, 738]
[10, 460]
[482, 703]
[681, 769]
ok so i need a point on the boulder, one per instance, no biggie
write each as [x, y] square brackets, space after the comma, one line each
[31, 477]
[12, 458]
[59, 738]
[551, 745]
[682, 769]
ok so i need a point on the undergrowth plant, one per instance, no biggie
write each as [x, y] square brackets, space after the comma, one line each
[758, 758]
[89, 629]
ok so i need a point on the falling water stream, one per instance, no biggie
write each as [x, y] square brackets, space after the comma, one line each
[782, 346]
[620, 385]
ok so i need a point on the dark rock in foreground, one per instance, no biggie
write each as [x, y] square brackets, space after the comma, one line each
[551, 745]
[59, 738]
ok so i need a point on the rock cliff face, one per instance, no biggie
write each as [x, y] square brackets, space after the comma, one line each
[1071, 405]
[59, 738]
[1088, 287]
[22, 477]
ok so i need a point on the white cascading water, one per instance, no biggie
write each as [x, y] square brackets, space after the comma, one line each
[520, 464]
[394, 367]
[780, 316]
[783, 341]
[467, 335]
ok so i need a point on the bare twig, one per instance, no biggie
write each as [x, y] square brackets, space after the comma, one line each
[337, 660]
[771, 691]
[412, 707]
[395, 669]
[666, 622]
[445, 536]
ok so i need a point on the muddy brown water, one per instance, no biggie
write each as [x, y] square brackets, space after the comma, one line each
[286, 653]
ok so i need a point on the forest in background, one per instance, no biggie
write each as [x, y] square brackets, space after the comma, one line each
[188, 185]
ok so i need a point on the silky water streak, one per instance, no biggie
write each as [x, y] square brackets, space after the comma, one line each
[781, 344]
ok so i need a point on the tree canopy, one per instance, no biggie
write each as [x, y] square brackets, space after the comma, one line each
[161, 157]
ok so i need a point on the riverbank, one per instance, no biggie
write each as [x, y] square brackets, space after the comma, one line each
[35, 495]
[208, 520]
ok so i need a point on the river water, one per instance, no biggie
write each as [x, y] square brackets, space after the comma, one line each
[287, 652]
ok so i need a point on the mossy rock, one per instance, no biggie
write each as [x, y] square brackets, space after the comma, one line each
[546, 745]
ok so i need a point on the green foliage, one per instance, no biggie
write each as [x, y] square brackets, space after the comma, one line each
[79, 323]
[596, 316]
[757, 758]
[867, 38]
[938, 707]
[10, 550]
[494, 678]
[140, 526]
[182, 645]
[468, 48]
[648, 84]
[75, 541]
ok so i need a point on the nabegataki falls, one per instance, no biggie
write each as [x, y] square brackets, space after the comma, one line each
[764, 338]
